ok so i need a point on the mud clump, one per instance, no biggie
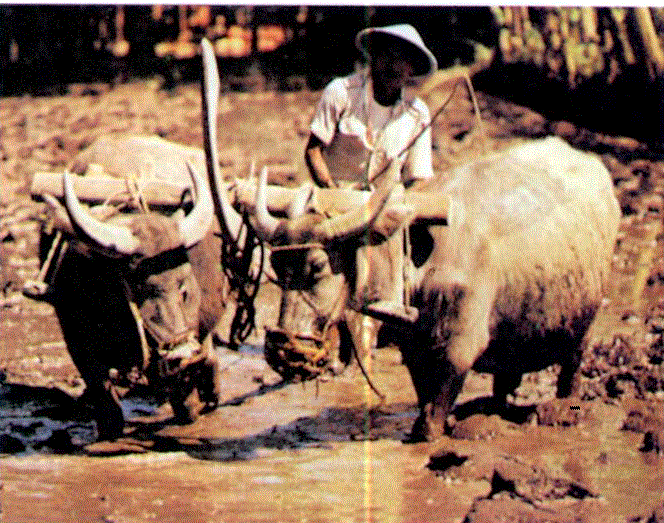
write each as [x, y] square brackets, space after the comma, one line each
[507, 508]
[564, 413]
[656, 516]
[648, 420]
[533, 483]
[480, 427]
[521, 491]
[623, 368]
[508, 474]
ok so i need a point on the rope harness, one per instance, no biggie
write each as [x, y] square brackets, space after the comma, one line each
[236, 264]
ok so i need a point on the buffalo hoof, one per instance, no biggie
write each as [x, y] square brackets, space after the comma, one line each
[106, 411]
[424, 429]
[337, 367]
[420, 431]
[187, 406]
[209, 385]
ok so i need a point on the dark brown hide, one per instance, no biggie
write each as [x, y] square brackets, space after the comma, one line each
[179, 294]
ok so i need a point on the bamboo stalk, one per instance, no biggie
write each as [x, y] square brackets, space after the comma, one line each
[619, 15]
[517, 23]
[525, 18]
[498, 15]
[570, 61]
[564, 23]
[649, 38]
[589, 24]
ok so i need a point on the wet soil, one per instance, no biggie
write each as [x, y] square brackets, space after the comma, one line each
[326, 450]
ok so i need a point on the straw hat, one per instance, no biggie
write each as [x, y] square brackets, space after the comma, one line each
[423, 61]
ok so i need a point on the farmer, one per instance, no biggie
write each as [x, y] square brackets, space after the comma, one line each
[369, 117]
[364, 121]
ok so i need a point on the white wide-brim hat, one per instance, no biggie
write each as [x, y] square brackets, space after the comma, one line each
[425, 63]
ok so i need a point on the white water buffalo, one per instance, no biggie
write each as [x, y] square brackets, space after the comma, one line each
[508, 285]
[138, 293]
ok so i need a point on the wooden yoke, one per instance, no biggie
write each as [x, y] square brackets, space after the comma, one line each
[429, 208]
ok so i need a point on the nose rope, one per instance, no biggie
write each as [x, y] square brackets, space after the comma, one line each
[162, 346]
[165, 342]
[311, 357]
[145, 349]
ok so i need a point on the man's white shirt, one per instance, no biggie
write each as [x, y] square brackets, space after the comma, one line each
[359, 133]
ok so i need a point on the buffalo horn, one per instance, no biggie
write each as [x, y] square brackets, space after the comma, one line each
[266, 224]
[303, 197]
[229, 218]
[358, 220]
[113, 237]
[198, 222]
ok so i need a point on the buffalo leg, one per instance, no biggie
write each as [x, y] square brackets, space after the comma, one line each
[185, 401]
[567, 379]
[504, 383]
[437, 385]
[100, 393]
[106, 410]
[209, 384]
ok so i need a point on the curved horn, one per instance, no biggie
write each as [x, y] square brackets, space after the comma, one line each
[358, 220]
[198, 222]
[302, 198]
[266, 224]
[229, 218]
[113, 237]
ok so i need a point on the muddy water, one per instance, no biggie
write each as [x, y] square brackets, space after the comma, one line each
[315, 453]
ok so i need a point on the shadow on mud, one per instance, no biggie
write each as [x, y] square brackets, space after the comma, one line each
[334, 424]
[486, 405]
[48, 421]
[330, 425]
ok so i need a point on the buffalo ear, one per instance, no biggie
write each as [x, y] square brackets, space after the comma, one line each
[392, 219]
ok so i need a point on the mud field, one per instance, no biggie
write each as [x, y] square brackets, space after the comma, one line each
[326, 451]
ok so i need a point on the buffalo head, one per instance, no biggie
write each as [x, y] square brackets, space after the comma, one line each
[315, 261]
[154, 267]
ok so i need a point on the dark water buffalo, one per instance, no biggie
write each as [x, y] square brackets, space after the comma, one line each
[137, 293]
[508, 285]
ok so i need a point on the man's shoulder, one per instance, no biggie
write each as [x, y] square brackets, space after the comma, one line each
[350, 82]
[356, 80]
[344, 90]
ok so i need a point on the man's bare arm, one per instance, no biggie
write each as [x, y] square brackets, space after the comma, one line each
[313, 155]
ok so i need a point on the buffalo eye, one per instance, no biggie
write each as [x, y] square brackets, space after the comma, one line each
[154, 313]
